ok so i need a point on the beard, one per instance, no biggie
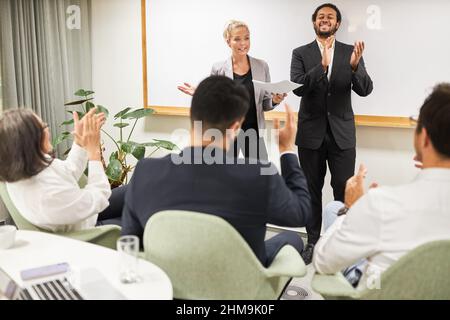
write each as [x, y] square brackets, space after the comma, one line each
[326, 34]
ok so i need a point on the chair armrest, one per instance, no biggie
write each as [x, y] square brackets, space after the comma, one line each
[287, 262]
[103, 235]
[334, 286]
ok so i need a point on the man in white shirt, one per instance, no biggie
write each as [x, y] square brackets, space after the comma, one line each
[381, 226]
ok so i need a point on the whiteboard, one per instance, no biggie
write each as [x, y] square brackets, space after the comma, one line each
[407, 45]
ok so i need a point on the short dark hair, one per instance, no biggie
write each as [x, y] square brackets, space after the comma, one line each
[21, 136]
[327, 5]
[218, 102]
[435, 118]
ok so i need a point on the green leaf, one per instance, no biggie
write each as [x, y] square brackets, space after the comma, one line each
[114, 170]
[127, 147]
[83, 93]
[138, 152]
[80, 114]
[74, 103]
[60, 138]
[137, 114]
[136, 149]
[89, 106]
[103, 109]
[113, 156]
[121, 125]
[164, 144]
[67, 123]
[121, 113]
[80, 93]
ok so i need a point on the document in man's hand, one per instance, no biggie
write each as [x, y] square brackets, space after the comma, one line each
[282, 87]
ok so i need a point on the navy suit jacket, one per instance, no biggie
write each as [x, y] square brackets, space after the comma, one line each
[327, 101]
[237, 193]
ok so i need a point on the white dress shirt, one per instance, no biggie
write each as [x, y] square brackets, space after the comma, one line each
[385, 224]
[321, 48]
[52, 199]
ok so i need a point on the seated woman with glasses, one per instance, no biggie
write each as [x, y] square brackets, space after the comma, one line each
[45, 190]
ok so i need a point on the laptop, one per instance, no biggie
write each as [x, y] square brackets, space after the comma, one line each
[55, 282]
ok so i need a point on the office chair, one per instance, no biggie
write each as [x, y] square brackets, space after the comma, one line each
[105, 236]
[422, 274]
[206, 258]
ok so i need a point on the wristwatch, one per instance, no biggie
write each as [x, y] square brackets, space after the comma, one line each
[343, 211]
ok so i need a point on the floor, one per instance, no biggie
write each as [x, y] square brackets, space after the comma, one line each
[299, 288]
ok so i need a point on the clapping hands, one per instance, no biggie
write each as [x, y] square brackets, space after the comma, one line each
[358, 51]
[87, 132]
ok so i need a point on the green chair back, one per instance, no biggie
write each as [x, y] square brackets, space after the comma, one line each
[105, 236]
[206, 258]
[18, 219]
[422, 274]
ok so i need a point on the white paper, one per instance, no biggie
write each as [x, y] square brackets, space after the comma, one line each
[282, 87]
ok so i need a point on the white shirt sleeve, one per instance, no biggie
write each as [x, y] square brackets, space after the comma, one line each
[64, 203]
[352, 237]
[76, 161]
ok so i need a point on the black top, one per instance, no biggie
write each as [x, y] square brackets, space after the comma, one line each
[251, 120]
[238, 193]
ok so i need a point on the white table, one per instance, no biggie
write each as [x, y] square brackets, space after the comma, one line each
[35, 249]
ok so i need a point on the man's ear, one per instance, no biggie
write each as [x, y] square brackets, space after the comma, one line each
[425, 139]
[338, 25]
[236, 125]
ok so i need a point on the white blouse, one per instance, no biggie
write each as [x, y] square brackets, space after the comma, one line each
[52, 199]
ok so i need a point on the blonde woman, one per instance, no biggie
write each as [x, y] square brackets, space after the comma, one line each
[243, 68]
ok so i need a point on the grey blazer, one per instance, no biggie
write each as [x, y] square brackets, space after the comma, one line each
[260, 72]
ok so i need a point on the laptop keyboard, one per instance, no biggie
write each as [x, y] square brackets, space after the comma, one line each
[52, 290]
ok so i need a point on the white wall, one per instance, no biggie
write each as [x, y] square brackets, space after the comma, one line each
[117, 81]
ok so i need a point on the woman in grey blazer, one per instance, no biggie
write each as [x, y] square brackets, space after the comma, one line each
[243, 69]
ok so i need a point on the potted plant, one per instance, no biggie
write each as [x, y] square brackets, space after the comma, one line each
[118, 166]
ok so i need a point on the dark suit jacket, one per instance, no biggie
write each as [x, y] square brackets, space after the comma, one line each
[324, 100]
[236, 192]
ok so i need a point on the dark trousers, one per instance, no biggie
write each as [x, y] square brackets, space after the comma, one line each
[274, 244]
[314, 163]
[251, 147]
[113, 213]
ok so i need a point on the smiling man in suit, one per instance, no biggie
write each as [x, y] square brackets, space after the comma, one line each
[329, 70]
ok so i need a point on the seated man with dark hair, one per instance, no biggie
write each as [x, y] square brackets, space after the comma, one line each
[386, 223]
[203, 179]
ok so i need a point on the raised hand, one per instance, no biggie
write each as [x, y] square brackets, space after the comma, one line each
[187, 89]
[326, 54]
[278, 98]
[87, 132]
[358, 51]
[355, 186]
[286, 135]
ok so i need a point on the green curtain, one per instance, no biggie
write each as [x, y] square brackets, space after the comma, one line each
[45, 55]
